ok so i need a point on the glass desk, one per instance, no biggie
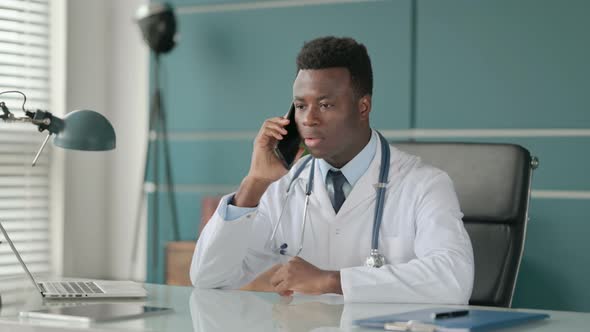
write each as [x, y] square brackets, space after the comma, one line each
[218, 310]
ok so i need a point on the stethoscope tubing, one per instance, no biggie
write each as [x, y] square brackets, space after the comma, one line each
[380, 200]
[381, 186]
[288, 192]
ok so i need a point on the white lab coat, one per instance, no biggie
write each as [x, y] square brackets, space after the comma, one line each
[429, 258]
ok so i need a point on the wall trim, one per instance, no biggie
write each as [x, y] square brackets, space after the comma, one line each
[210, 189]
[529, 132]
[560, 194]
[214, 189]
[240, 135]
[246, 135]
[230, 7]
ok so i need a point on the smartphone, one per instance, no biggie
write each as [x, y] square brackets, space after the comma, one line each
[287, 148]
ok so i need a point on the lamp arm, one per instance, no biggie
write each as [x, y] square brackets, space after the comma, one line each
[47, 121]
[7, 116]
[42, 119]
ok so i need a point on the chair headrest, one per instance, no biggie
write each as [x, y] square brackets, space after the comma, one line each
[491, 180]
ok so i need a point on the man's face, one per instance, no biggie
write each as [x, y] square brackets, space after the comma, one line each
[332, 121]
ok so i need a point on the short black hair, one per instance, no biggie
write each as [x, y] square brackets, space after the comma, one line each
[331, 52]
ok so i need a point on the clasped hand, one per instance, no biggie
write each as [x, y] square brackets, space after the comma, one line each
[297, 275]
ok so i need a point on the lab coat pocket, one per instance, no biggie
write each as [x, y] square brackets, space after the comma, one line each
[396, 249]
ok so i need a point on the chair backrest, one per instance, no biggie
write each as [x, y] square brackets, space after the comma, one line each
[493, 185]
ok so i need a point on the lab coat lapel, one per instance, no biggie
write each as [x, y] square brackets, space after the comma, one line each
[319, 194]
[364, 189]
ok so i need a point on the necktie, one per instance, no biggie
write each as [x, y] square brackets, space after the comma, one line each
[338, 180]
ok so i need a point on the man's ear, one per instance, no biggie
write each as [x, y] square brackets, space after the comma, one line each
[364, 106]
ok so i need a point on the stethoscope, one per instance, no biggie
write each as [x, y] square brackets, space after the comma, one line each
[375, 259]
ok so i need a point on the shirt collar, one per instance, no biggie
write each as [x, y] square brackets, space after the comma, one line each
[354, 169]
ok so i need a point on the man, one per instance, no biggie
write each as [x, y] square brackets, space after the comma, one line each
[247, 243]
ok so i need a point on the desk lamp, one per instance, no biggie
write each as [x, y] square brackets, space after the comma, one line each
[78, 130]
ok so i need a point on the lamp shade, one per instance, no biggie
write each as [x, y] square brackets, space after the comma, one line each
[85, 130]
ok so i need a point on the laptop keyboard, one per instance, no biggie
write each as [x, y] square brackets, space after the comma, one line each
[73, 287]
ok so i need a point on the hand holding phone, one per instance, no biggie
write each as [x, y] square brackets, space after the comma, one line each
[276, 148]
[288, 147]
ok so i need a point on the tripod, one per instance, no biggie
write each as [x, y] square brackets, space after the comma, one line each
[157, 126]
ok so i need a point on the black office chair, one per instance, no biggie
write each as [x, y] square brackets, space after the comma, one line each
[493, 184]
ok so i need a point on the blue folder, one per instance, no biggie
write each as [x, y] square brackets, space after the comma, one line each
[475, 320]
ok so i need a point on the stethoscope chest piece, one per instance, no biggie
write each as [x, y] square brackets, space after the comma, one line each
[375, 259]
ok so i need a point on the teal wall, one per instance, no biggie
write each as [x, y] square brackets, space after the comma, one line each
[452, 64]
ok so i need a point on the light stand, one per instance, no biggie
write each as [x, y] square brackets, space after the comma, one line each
[158, 27]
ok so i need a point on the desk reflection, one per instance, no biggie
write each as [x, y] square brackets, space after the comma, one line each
[232, 310]
[221, 310]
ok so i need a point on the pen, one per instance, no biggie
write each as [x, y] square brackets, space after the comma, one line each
[449, 314]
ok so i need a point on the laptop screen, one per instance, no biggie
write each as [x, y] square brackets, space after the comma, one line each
[20, 260]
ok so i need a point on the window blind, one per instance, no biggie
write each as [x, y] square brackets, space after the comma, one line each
[24, 190]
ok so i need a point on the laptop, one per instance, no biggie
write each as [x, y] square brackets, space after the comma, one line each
[73, 289]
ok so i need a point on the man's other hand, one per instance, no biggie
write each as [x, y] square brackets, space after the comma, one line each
[298, 275]
[262, 282]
